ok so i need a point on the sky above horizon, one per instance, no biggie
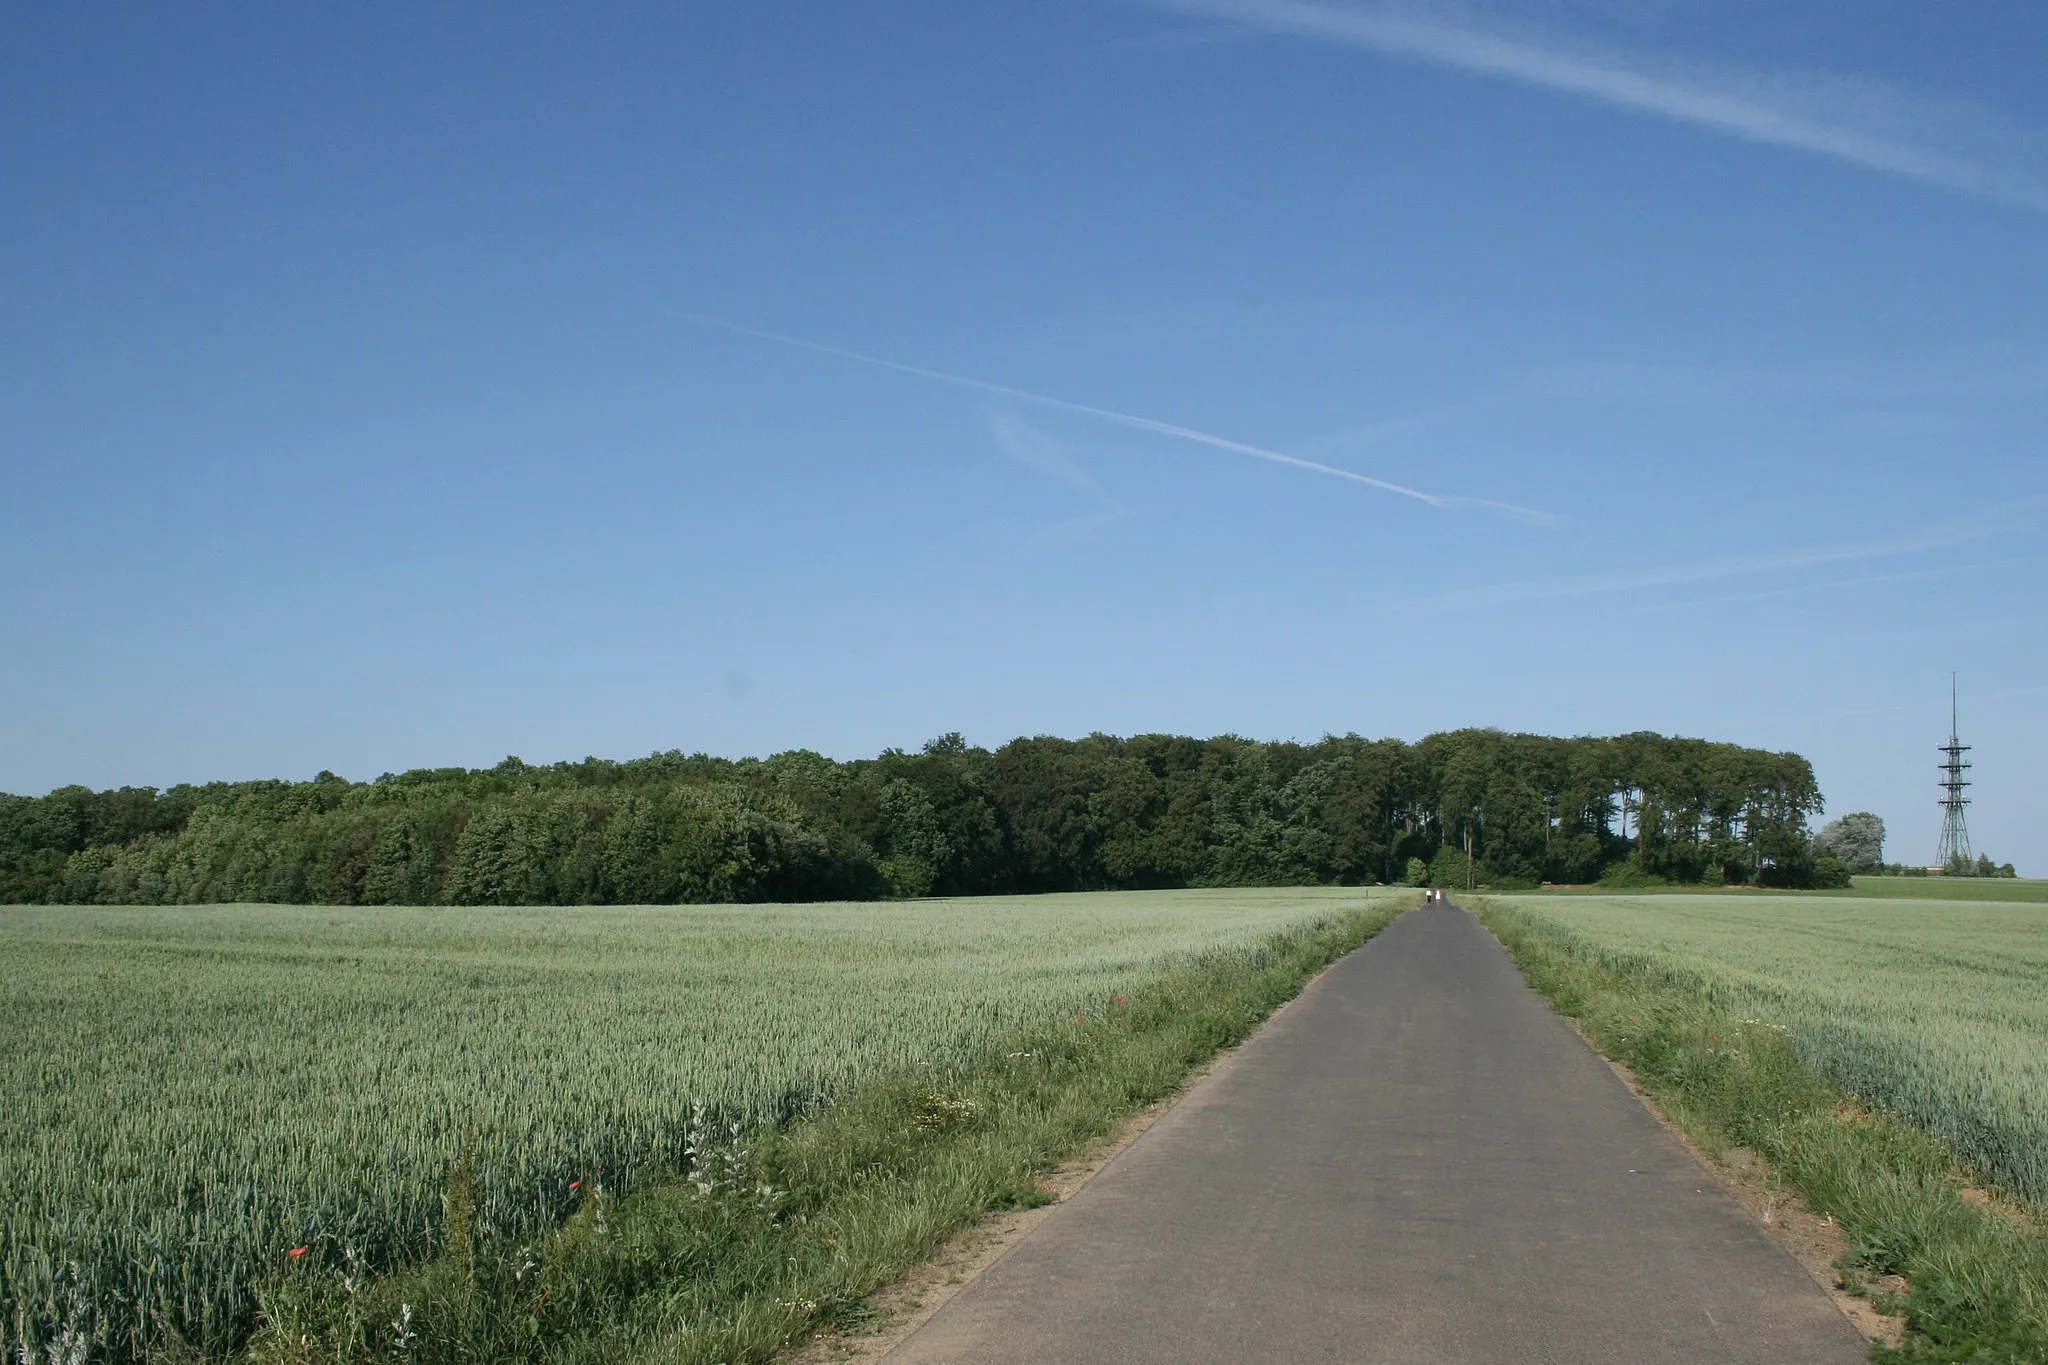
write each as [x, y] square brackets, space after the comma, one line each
[403, 388]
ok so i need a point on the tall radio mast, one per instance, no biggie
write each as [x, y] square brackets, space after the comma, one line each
[1955, 835]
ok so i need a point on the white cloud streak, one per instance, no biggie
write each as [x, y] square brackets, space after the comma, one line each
[1854, 121]
[1043, 454]
[2015, 692]
[1036, 451]
[2015, 375]
[1923, 706]
[1867, 581]
[1132, 420]
[1687, 575]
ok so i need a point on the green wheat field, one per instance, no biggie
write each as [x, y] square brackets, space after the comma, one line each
[187, 1093]
[1936, 1011]
[190, 1092]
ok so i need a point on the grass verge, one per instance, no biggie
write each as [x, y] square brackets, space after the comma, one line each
[768, 1236]
[1976, 1270]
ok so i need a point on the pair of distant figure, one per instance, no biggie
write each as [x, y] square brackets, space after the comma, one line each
[1432, 895]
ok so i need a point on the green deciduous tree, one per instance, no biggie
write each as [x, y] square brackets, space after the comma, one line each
[1857, 839]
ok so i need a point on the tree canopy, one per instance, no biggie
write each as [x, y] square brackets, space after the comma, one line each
[1856, 838]
[1036, 814]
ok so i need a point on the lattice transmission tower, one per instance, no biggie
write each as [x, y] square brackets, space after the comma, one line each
[1955, 835]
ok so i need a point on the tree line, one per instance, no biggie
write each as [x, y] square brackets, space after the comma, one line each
[1036, 814]
[1856, 841]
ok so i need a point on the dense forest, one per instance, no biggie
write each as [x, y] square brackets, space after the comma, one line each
[1034, 815]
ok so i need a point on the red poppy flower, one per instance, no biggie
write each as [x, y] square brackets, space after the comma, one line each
[296, 1252]
[575, 1184]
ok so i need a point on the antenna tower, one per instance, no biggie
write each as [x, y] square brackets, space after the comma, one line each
[1955, 835]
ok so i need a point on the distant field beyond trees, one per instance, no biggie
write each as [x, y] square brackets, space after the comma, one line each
[1153, 811]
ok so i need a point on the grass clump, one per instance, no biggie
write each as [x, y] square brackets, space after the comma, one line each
[1976, 1270]
[763, 1234]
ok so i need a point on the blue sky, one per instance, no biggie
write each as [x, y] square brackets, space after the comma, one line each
[402, 388]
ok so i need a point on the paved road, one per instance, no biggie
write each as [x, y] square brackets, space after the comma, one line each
[1418, 1163]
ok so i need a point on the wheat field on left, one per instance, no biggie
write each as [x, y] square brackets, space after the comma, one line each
[192, 1092]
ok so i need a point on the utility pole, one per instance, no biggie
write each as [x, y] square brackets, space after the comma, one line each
[1955, 835]
[1471, 873]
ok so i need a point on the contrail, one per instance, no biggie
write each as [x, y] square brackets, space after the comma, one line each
[1685, 575]
[1858, 122]
[1122, 419]
[1868, 581]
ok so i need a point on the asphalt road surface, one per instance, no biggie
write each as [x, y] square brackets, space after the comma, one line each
[1416, 1162]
